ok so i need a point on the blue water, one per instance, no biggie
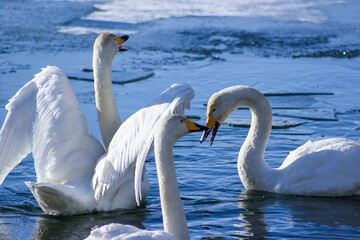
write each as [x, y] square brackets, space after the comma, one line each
[303, 56]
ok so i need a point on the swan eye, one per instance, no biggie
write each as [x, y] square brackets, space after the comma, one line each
[181, 121]
[115, 39]
[213, 109]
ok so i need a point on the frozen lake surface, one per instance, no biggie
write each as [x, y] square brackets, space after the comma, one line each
[304, 55]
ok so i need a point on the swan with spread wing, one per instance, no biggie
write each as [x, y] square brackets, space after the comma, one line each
[75, 173]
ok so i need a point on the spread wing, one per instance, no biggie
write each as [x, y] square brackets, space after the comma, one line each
[133, 141]
[45, 118]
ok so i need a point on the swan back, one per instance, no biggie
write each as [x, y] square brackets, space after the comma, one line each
[127, 232]
[327, 167]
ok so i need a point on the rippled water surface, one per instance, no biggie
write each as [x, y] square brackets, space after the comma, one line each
[303, 55]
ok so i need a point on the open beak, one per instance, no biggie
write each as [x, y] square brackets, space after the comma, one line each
[120, 41]
[194, 127]
[213, 127]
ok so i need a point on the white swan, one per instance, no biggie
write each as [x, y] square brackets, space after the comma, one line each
[322, 168]
[74, 174]
[105, 48]
[167, 131]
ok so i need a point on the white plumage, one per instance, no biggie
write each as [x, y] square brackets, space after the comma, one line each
[117, 231]
[166, 132]
[327, 167]
[74, 172]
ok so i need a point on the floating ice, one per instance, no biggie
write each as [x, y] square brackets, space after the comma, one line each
[138, 11]
[89, 30]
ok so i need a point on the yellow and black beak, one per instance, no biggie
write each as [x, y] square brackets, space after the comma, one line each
[213, 127]
[120, 41]
[194, 127]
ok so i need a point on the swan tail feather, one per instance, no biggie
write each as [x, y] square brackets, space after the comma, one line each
[57, 199]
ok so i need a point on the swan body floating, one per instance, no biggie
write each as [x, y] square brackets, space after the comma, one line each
[75, 173]
[167, 131]
[327, 167]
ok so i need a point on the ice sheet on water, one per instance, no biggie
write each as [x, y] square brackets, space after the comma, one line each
[308, 114]
[269, 27]
[138, 11]
[277, 123]
[118, 77]
[266, 27]
[290, 110]
[28, 26]
[297, 101]
[90, 30]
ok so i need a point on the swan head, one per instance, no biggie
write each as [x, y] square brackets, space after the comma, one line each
[175, 126]
[219, 107]
[107, 45]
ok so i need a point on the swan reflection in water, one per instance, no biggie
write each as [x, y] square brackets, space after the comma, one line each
[80, 226]
[269, 214]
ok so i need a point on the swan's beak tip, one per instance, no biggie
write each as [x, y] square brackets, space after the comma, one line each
[205, 134]
[212, 130]
[121, 40]
[124, 37]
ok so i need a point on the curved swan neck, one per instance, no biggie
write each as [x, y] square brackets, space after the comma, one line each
[108, 116]
[174, 219]
[253, 169]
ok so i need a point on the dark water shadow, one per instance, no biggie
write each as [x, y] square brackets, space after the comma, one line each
[80, 226]
[261, 212]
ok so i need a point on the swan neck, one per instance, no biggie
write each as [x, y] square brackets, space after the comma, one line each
[174, 219]
[253, 170]
[108, 116]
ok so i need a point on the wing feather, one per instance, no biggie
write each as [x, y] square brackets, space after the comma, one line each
[15, 135]
[48, 122]
[133, 141]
